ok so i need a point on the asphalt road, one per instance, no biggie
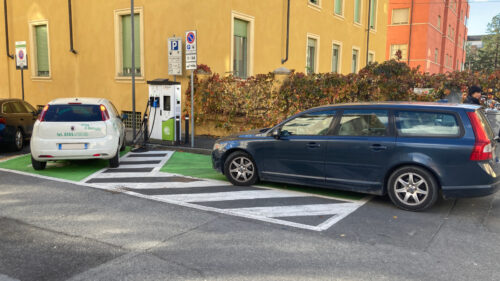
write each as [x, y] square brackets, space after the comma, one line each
[60, 231]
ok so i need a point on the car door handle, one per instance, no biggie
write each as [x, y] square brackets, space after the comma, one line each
[378, 147]
[313, 145]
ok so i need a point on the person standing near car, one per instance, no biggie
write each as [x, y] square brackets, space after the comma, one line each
[474, 95]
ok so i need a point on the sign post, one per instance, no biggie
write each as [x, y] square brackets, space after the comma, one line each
[191, 65]
[21, 61]
[174, 56]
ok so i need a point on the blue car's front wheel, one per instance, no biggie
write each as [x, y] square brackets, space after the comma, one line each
[240, 169]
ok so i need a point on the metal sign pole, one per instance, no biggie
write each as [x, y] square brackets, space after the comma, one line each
[192, 110]
[22, 80]
[132, 16]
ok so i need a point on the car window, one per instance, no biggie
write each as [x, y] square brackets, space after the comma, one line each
[29, 107]
[309, 124]
[364, 123]
[18, 107]
[73, 113]
[426, 124]
[6, 108]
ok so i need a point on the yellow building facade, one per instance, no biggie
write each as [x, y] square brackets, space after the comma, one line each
[243, 37]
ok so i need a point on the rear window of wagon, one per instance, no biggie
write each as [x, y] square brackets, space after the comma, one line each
[427, 124]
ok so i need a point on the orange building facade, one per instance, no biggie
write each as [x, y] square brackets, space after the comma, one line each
[429, 34]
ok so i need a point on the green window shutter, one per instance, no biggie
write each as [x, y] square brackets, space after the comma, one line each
[127, 46]
[240, 52]
[373, 13]
[357, 7]
[42, 50]
[240, 28]
[338, 7]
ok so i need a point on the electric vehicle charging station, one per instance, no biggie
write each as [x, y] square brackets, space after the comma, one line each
[165, 110]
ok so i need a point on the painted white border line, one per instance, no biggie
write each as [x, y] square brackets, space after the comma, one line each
[320, 227]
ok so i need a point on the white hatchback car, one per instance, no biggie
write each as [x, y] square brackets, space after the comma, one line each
[77, 128]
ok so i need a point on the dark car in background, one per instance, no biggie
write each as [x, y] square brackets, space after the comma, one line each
[16, 122]
[414, 152]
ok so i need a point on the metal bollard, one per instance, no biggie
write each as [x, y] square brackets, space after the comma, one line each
[186, 130]
[177, 130]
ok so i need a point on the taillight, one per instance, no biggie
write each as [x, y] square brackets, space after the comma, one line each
[42, 114]
[104, 113]
[3, 121]
[482, 147]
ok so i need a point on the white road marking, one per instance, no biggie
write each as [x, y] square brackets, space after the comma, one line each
[300, 210]
[338, 211]
[230, 195]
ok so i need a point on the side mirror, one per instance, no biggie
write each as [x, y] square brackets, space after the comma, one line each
[124, 116]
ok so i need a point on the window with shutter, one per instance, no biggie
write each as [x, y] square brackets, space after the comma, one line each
[311, 55]
[373, 14]
[240, 55]
[357, 11]
[355, 58]
[126, 24]
[336, 58]
[41, 51]
[339, 7]
[400, 16]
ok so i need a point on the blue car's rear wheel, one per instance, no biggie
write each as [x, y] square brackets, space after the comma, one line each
[240, 169]
[412, 188]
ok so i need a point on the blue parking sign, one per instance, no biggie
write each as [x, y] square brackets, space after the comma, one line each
[174, 45]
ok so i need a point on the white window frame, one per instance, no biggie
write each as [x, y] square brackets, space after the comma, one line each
[33, 59]
[316, 54]
[392, 16]
[250, 41]
[361, 6]
[343, 9]
[118, 43]
[358, 59]
[335, 42]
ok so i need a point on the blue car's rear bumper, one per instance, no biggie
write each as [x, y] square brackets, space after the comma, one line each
[470, 191]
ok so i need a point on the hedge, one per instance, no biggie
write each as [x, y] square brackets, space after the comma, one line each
[264, 100]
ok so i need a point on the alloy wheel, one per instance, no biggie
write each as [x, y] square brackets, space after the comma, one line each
[411, 189]
[241, 169]
[19, 140]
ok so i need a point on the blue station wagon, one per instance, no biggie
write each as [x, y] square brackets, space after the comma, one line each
[414, 152]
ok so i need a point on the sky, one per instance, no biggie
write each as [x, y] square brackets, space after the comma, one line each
[481, 13]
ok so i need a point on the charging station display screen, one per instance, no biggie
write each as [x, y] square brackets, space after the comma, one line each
[166, 103]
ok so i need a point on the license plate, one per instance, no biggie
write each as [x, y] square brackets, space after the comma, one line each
[72, 146]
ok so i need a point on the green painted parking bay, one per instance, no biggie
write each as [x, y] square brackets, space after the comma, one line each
[75, 170]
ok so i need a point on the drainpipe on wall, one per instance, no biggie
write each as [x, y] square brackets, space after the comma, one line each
[287, 31]
[368, 30]
[411, 27]
[6, 30]
[70, 14]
